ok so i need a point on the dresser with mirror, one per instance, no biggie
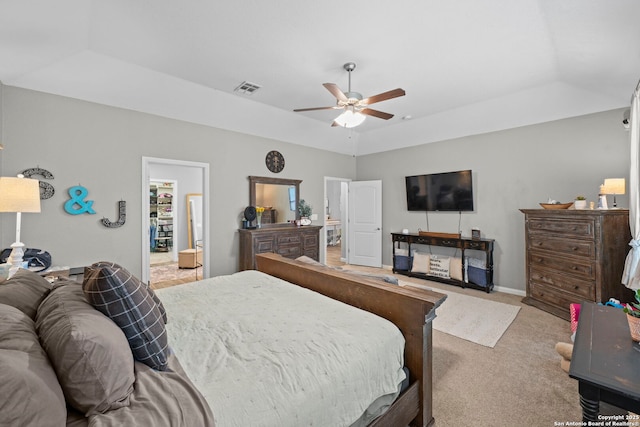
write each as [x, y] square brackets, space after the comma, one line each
[278, 232]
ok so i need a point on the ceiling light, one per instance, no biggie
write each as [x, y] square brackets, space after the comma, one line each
[350, 119]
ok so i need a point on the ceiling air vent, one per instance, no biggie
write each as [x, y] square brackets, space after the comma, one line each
[247, 88]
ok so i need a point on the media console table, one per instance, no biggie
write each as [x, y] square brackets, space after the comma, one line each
[462, 243]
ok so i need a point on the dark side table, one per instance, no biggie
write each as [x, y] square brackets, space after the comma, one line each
[605, 361]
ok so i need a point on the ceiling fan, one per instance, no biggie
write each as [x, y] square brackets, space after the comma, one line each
[355, 107]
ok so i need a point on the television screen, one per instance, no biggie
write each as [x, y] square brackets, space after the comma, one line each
[448, 191]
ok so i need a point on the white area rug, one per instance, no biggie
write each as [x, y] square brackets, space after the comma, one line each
[474, 319]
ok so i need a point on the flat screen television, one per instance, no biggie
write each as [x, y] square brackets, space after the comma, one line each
[447, 191]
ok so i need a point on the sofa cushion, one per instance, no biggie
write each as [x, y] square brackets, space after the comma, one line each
[127, 301]
[89, 352]
[31, 395]
[24, 291]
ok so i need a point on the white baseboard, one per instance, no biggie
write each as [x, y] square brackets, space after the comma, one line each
[511, 291]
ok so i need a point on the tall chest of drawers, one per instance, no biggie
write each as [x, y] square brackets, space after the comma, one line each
[284, 239]
[574, 256]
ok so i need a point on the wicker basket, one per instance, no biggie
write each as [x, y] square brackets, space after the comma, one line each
[634, 327]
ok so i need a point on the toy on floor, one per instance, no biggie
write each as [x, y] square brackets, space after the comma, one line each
[566, 349]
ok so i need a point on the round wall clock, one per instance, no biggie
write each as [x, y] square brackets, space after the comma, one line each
[274, 161]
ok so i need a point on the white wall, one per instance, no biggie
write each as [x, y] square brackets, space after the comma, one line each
[101, 147]
[512, 169]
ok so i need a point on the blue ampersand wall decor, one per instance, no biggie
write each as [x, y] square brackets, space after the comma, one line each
[78, 194]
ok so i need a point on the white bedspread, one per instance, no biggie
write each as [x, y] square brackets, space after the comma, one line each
[264, 352]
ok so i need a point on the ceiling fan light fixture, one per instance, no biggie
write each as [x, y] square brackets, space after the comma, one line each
[350, 119]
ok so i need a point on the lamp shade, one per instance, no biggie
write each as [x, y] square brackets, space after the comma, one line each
[19, 194]
[613, 186]
[350, 119]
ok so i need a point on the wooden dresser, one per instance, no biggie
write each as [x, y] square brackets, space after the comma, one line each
[574, 256]
[287, 240]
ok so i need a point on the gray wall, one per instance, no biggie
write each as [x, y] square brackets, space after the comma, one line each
[101, 147]
[512, 169]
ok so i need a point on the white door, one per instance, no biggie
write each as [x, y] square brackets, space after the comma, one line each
[365, 223]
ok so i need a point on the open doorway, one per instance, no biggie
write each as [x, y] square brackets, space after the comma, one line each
[166, 185]
[352, 223]
[334, 249]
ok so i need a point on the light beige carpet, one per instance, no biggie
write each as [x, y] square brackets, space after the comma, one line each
[480, 321]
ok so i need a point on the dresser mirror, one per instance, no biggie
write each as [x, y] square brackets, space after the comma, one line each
[278, 196]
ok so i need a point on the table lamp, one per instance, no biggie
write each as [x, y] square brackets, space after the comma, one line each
[613, 186]
[18, 195]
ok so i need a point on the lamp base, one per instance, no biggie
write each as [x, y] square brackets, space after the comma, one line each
[602, 202]
[15, 259]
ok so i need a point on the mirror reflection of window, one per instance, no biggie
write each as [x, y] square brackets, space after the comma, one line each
[277, 201]
[292, 198]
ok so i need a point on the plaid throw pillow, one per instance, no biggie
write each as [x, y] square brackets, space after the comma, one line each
[126, 300]
[149, 290]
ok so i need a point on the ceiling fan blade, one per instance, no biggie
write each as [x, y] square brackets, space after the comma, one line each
[335, 91]
[376, 113]
[316, 108]
[383, 96]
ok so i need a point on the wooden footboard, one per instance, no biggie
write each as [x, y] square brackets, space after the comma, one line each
[411, 310]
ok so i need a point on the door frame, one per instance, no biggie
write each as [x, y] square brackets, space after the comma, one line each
[145, 236]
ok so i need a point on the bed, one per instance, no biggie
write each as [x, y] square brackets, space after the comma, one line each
[411, 310]
[90, 377]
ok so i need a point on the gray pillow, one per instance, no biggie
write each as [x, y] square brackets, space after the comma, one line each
[31, 395]
[89, 352]
[126, 300]
[24, 291]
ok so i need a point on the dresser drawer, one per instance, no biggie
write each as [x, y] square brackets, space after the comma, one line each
[290, 251]
[438, 241]
[263, 244]
[310, 241]
[584, 270]
[581, 248]
[312, 253]
[477, 245]
[581, 289]
[551, 296]
[577, 227]
[288, 239]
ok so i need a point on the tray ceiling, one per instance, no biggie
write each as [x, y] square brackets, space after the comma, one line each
[468, 67]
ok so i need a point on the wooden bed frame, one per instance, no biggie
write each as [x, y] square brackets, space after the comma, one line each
[411, 310]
